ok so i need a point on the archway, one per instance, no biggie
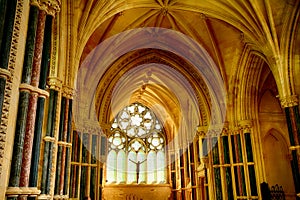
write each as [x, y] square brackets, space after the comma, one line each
[277, 162]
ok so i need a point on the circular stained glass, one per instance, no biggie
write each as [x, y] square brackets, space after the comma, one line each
[136, 120]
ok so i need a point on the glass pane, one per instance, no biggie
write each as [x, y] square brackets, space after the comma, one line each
[142, 158]
[131, 170]
[161, 167]
[121, 167]
[151, 168]
[111, 168]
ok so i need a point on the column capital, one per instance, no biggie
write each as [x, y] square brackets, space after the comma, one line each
[289, 101]
[67, 91]
[245, 125]
[54, 83]
[50, 6]
[214, 130]
[201, 131]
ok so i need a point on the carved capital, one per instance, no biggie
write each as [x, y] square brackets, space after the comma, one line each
[68, 92]
[50, 6]
[201, 131]
[235, 130]
[289, 101]
[54, 83]
[245, 125]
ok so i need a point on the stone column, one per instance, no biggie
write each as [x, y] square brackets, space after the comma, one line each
[29, 94]
[249, 163]
[291, 107]
[50, 139]
[63, 146]
[32, 105]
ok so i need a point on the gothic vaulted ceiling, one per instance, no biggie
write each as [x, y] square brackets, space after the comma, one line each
[222, 28]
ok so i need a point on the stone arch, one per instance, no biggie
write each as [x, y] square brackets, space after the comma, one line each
[244, 94]
[277, 160]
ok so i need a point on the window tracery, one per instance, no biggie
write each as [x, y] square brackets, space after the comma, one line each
[136, 147]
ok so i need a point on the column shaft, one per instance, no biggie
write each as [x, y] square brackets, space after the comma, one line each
[292, 128]
[31, 116]
[48, 144]
[41, 104]
[65, 135]
[6, 38]
[19, 140]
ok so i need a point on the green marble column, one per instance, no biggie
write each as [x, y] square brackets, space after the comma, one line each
[32, 106]
[252, 175]
[23, 101]
[292, 117]
[47, 162]
[68, 151]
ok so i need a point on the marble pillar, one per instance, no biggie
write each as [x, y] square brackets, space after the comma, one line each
[31, 115]
[23, 101]
[41, 104]
[290, 105]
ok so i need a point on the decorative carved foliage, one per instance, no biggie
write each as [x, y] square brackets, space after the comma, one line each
[9, 78]
[50, 6]
[289, 101]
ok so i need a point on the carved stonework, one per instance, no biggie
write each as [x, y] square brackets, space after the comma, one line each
[214, 130]
[201, 131]
[54, 83]
[4, 73]
[289, 101]
[245, 125]
[234, 130]
[50, 6]
[32, 89]
[9, 75]
[68, 92]
[54, 50]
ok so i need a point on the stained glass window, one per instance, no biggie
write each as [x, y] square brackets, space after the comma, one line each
[137, 143]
